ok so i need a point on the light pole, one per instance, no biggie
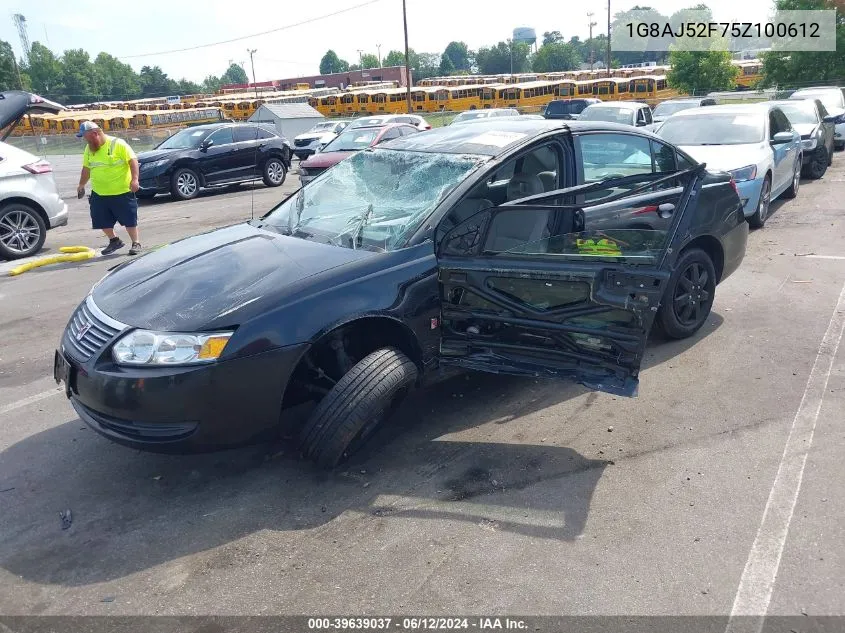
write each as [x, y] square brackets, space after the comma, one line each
[361, 59]
[378, 48]
[253, 51]
[510, 46]
[407, 60]
[592, 46]
[608, 38]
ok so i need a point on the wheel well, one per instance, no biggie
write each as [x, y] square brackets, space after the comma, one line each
[713, 248]
[30, 203]
[336, 351]
[179, 164]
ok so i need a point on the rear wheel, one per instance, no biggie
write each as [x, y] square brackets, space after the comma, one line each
[758, 219]
[689, 295]
[274, 172]
[22, 230]
[817, 166]
[185, 184]
[357, 405]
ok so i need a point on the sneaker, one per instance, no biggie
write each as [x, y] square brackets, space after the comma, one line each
[135, 249]
[114, 244]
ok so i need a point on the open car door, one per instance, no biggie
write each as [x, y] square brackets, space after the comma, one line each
[14, 104]
[577, 303]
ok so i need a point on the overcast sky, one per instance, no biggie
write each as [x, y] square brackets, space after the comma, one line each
[136, 28]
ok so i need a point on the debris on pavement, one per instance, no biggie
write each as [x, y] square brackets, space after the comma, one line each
[67, 518]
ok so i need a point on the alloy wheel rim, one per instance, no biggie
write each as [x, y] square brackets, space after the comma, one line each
[764, 200]
[692, 294]
[187, 184]
[19, 231]
[796, 179]
[274, 171]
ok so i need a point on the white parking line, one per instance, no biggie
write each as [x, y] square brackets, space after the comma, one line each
[758, 578]
[824, 256]
[30, 400]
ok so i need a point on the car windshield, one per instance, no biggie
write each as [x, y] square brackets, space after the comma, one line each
[185, 139]
[612, 115]
[562, 107]
[736, 128]
[353, 140]
[667, 109]
[833, 100]
[800, 112]
[373, 200]
[323, 127]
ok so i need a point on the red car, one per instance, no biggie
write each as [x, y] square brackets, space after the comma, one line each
[347, 143]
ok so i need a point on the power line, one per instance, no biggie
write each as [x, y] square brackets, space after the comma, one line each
[245, 37]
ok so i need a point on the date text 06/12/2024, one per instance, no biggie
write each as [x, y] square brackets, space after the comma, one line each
[415, 624]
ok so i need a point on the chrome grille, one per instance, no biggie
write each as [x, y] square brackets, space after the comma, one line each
[89, 330]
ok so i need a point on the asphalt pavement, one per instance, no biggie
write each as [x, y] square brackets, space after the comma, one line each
[718, 490]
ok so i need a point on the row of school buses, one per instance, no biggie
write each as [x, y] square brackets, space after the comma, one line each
[528, 92]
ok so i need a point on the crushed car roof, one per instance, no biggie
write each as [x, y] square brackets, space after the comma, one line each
[493, 137]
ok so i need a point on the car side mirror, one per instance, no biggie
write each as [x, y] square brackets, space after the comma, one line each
[781, 137]
[640, 123]
[205, 145]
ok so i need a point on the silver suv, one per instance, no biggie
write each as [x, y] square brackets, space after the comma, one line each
[30, 204]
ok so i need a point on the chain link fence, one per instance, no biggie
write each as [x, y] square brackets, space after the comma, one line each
[68, 144]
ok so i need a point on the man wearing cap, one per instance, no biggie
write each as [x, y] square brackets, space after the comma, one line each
[112, 167]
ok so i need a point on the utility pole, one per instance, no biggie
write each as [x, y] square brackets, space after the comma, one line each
[407, 58]
[361, 59]
[253, 51]
[378, 48]
[510, 45]
[592, 46]
[608, 38]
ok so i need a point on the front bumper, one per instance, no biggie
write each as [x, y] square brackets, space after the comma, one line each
[179, 409]
[152, 184]
[749, 193]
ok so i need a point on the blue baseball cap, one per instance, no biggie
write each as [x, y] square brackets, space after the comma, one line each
[86, 126]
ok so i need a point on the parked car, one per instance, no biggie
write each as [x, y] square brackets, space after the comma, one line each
[380, 119]
[308, 143]
[665, 109]
[30, 204]
[756, 143]
[479, 247]
[833, 99]
[816, 127]
[347, 143]
[625, 112]
[480, 115]
[567, 109]
[213, 155]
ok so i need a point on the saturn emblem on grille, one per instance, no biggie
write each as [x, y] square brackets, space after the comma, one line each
[83, 330]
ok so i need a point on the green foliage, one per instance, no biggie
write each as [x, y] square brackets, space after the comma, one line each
[394, 58]
[78, 77]
[553, 37]
[368, 60]
[115, 80]
[45, 71]
[8, 70]
[555, 56]
[459, 56]
[235, 74]
[802, 68]
[155, 82]
[446, 65]
[331, 63]
[700, 72]
[501, 58]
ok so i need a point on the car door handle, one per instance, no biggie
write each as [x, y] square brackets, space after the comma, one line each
[665, 210]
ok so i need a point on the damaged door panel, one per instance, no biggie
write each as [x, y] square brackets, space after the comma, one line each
[533, 290]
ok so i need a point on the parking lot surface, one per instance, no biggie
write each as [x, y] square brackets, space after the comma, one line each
[486, 494]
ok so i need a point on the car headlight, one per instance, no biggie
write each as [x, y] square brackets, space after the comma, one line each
[154, 164]
[744, 173]
[143, 347]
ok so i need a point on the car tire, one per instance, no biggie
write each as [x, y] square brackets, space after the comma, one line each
[356, 406]
[184, 184]
[22, 230]
[761, 214]
[817, 166]
[689, 295]
[274, 172]
[792, 192]
[839, 146]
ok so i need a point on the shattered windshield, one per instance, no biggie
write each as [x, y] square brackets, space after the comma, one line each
[373, 200]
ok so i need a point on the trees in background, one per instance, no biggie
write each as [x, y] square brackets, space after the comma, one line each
[700, 72]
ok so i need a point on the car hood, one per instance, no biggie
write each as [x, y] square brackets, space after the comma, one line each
[326, 160]
[156, 154]
[727, 157]
[16, 103]
[805, 129]
[215, 279]
[313, 136]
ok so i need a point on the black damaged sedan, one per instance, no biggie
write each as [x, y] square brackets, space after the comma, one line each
[536, 248]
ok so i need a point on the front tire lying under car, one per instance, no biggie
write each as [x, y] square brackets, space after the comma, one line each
[356, 406]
